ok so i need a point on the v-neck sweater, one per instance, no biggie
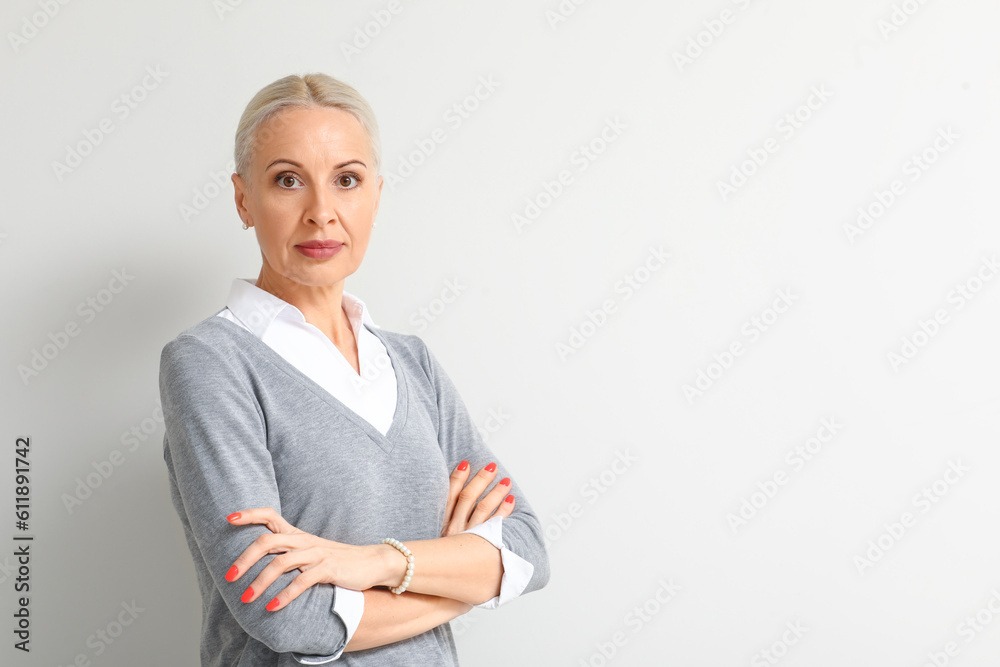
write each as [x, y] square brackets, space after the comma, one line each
[245, 428]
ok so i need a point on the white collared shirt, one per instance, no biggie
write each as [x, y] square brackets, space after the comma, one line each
[372, 395]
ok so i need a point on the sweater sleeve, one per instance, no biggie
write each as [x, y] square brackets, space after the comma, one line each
[516, 571]
[216, 449]
[521, 540]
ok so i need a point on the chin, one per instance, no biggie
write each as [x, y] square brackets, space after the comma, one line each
[321, 276]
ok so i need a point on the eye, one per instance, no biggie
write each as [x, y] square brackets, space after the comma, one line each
[286, 180]
[348, 181]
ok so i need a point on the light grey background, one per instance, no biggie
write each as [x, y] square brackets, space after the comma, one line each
[660, 518]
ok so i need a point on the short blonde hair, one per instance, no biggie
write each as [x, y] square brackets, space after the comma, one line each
[294, 91]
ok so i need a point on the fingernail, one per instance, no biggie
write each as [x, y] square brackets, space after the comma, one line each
[235, 516]
[509, 499]
[505, 481]
[464, 465]
[231, 575]
[272, 605]
[247, 594]
[491, 467]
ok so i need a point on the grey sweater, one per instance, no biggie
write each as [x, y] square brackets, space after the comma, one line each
[245, 428]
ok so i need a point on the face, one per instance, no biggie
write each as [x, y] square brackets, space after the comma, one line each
[311, 186]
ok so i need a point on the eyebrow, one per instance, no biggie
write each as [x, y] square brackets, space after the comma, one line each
[293, 162]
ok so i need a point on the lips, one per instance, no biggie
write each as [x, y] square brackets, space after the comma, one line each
[320, 244]
[320, 249]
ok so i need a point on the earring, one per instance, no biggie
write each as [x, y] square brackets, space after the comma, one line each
[245, 226]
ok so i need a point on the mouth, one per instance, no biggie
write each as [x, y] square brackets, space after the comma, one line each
[320, 244]
[319, 249]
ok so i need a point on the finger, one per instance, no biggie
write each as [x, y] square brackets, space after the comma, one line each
[268, 543]
[293, 590]
[506, 507]
[455, 484]
[285, 562]
[489, 504]
[262, 515]
[470, 494]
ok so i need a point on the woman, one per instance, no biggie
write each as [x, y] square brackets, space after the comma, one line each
[319, 465]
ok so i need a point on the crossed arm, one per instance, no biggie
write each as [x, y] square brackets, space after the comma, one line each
[454, 571]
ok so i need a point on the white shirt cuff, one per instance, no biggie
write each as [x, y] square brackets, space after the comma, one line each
[349, 604]
[516, 571]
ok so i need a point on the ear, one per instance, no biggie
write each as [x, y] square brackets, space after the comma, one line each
[241, 196]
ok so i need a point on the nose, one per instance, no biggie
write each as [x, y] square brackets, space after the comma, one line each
[321, 207]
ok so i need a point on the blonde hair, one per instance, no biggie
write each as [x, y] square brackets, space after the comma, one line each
[294, 91]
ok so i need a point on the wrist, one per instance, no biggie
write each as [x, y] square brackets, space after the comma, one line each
[392, 565]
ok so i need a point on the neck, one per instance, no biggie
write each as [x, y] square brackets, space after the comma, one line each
[321, 305]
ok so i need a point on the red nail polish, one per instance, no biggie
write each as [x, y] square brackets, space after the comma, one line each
[247, 594]
[509, 499]
[491, 467]
[505, 481]
[231, 575]
[235, 516]
[272, 605]
[464, 465]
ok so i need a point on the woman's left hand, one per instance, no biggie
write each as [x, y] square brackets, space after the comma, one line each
[320, 560]
[460, 514]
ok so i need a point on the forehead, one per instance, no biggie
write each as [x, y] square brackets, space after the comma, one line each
[314, 133]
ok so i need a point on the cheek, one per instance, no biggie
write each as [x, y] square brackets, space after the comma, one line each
[271, 239]
[362, 233]
[276, 209]
[275, 218]
[360, 249]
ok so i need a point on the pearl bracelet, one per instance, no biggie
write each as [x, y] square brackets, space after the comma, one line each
[409, 564]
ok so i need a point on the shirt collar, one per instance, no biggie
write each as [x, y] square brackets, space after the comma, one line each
[258, 309]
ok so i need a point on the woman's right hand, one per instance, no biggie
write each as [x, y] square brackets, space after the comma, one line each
[460, 514]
